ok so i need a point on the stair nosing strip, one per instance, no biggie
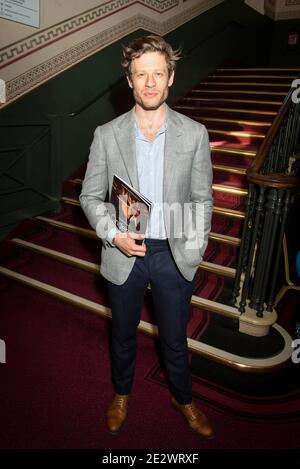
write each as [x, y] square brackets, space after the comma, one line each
[232, 121]
[234, 151]
[217, 187]
[236, 133]
[229, 169]
[263, 69]
[224, 109]
[218, 269]
[230, 213]
[69, 227]
[265, 93]
[95, 268]
[208, 351]
[230, 189]
[232, 100]
[57, 255]
[226, 239]
[205, 83]
[276, 77]
[216, 209]
[92, 234]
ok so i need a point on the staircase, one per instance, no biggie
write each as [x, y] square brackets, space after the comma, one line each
[59, 254]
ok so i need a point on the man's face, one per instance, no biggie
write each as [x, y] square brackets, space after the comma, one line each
[150, 80]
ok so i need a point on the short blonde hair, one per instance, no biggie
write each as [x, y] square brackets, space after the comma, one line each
[145, 44]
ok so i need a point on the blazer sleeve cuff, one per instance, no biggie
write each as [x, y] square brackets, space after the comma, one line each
[111, 234]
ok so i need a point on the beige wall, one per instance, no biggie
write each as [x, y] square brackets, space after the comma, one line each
[51, 12]
[277, 9]
[71, 30]
[258, 5]
[283, 9]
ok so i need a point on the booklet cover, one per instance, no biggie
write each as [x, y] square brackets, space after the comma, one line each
[132, 209]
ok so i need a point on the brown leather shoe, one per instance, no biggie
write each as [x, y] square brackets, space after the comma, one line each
[195, 418]
[116, 412]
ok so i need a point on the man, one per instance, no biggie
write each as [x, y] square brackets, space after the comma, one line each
[165, 156]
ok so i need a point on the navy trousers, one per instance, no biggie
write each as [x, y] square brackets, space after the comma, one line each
[171, 295]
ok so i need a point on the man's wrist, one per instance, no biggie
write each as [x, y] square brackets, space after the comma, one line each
[110, 238]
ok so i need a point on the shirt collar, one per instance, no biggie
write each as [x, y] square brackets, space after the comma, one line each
[140, 135]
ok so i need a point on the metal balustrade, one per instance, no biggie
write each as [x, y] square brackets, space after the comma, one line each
[271, 188]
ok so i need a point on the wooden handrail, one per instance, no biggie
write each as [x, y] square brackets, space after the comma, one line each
[271, 134]
[276, 180]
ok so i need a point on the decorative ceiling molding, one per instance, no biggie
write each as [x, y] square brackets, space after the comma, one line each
[72, 25]
[292, 2]
[284, 11]
[42, 72]
[283, 15]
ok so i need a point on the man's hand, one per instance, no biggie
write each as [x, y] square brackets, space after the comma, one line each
[126, 243]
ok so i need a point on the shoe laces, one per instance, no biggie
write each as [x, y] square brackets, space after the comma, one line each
[120, 401]
[193, 411]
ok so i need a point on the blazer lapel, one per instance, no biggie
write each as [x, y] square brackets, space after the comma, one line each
[125, 137]
[174, 130]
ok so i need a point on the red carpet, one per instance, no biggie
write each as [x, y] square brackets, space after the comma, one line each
[56, 385]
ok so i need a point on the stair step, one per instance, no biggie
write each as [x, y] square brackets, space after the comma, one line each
[230, 240]
[232, 100]
[70, 201]
[261, 69]
[231, 121]
[236, 133]
[271, 77]
[57, 255]
[234, 151]
[216, 187]
[225, 109]
[228, 212]
[230, 189]
[222, 270]
[76, 181]
[244, 83]
[95, 268]
[68, 227]
[230, 169]
[195, 346]
[251, 92]
[219, 210]
[216, 167]
[226, 239]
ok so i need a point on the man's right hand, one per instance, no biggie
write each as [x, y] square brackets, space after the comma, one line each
[126, 243]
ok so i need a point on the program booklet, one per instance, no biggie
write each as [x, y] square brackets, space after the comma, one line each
[132, 209]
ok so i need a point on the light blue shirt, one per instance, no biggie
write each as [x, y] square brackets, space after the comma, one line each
[150, 166]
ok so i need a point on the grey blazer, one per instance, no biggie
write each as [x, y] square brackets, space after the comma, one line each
[187, 189]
